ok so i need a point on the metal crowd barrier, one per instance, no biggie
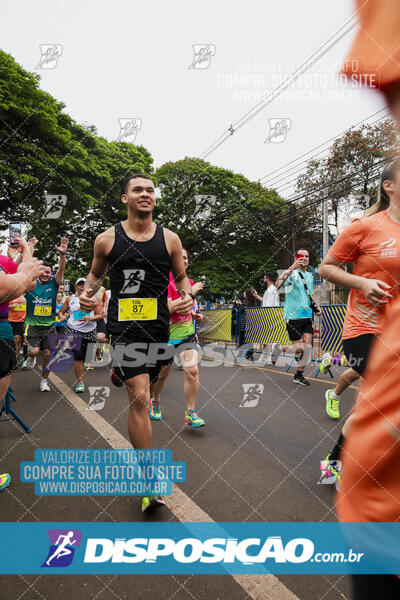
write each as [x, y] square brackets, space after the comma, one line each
[252, 326]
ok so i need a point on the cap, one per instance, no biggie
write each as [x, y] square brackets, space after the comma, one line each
[80, 280]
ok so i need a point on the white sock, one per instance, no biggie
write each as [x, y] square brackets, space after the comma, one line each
[335, 397]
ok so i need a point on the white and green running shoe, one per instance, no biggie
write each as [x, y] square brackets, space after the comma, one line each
[326, 362]
[332, 405]
[149, 503]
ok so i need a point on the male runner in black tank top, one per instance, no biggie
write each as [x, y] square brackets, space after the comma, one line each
[138, 254]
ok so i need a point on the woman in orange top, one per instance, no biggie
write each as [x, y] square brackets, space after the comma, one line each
[370, 487]
[372, 244]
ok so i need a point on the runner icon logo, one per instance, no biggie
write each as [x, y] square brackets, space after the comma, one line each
[63, 543]
[278, 129]
[251, 394]
[132, 277]
[54, 206]
[203, 204]
[203, 54]
[98, 396]
[128, 129]
[50, 53]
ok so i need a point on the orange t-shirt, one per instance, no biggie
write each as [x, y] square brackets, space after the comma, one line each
[376, 49]
[373, 245]
[370, 485]
[17, 314]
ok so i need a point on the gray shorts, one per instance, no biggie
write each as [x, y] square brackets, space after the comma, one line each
[36, 336]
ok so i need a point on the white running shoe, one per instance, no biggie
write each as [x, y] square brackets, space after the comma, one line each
[44, 386]
[30, 362]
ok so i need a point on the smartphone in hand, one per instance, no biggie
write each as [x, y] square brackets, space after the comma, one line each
[14, 232]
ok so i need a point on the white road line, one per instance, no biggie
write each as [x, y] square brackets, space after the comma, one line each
[258, 587]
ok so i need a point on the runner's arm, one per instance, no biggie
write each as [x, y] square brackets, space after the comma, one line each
[98, 271]
[62, 249]
[63, 310]
[332, 270]
[282, 278]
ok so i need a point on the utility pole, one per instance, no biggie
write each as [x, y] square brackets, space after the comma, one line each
[291, 247]
[325, 229]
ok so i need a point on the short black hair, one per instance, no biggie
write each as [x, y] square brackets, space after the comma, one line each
[271, 276]
[45, 264]
[133, 176]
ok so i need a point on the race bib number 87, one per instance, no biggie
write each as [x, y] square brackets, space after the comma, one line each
[42, 311]
[137, 309]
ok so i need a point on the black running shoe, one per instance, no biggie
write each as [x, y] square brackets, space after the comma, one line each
[299, 378]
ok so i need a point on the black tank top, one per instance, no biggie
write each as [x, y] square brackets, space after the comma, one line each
[139, 277]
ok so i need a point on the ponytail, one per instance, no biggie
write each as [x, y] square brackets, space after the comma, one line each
[383, 200]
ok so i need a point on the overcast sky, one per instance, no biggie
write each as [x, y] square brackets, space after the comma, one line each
[130, 59]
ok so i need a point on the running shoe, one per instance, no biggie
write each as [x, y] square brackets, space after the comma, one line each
[325, 363]
[330, 471]
[332, 405]
[275, 352]
[193, 419]
[44, 386]
[149, 503]
[4, 480]
[31, 362]
[24, 364]
[155, 412]
[299, 378]
[80, 387]
[115, 380]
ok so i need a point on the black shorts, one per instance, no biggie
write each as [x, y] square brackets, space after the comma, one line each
[357, 351]
[190, 343]
[101, 326]
[296, 328]
[37, 336]
[86, 337]
[143, 362]
[8, 358]
[18, 327]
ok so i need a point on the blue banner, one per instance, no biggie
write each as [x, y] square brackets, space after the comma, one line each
[200, 548]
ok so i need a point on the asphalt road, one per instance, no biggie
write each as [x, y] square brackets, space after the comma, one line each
[257, 459]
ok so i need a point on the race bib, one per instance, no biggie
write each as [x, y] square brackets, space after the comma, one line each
[20, 307]
[42, 311]
[304, 313]
[57, 319]
[79, 314]
[137, 309]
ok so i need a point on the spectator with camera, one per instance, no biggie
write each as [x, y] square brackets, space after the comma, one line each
[299, 307]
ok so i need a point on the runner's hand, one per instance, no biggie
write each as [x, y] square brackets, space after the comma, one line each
[185, 305]
[375, 291]
[197, 287]
[63, 247]
[87, 303]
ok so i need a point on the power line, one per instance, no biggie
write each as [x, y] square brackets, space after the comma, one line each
[281, 220]
[282, 87]
[270, 179]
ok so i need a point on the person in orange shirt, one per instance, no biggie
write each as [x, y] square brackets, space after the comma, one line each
[370, 486]
[372, 244]
[16, 318]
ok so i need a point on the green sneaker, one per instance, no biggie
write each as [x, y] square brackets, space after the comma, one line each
[80, 387]
[332, 405]
[4, 481]
[149, 503]
[193, 419]
[325, 363]
[155, 412]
